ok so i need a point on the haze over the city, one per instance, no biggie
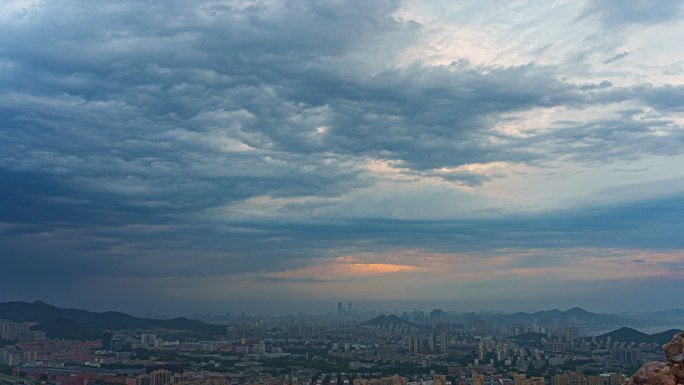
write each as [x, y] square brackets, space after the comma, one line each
[272, 156]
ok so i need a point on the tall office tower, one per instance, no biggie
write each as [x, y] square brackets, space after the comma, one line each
[571, 332]
[443, 342]
[323, 333]
[436, 316]
[482, 351]
[415, 345]
[478, 379]
[480, 326]
[231, 332]
[107, 338]
[340, 309]
[349, 311]
[469, 322]
[293, 332]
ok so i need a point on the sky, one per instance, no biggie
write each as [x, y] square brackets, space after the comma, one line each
[274, 156]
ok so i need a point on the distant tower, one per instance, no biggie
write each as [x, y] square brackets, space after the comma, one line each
[349, 308]
[415, 345]
[480, 326]
[443, 343]
[571, 332]
[340, 309]
[107, 338]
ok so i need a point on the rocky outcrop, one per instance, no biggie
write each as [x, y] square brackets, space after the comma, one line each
[663, 373]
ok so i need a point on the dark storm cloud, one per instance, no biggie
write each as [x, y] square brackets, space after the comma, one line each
[127, 128]
[201, 249]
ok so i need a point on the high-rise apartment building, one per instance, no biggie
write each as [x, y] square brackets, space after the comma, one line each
[478, 379]
[519, 379]
[439, 379]
[148, 340]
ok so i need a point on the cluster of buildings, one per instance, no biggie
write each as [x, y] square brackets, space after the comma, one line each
[337, 350]
[167, 377]
[14, 331]
[49, 353]
[432, 343]
[15, 357]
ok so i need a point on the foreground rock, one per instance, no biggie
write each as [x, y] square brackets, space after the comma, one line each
[663, 373]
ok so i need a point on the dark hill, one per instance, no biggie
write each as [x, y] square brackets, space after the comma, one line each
[631, 335]
[67, 329]
[664, 337]
[43, 313]
[625, 334]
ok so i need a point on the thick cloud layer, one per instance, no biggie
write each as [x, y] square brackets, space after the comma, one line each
[249, 144]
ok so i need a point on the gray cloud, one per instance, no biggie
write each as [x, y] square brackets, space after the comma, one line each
[621, 12]
[616, 57]
[128, 129]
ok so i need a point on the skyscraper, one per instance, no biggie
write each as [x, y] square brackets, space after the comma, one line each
[480, 326]
[107, 338]
[443, 342]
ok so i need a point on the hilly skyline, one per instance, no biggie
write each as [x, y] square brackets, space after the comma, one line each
[277, 156]
[71, 323]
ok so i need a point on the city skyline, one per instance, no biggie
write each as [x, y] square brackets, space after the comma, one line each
[477, 155]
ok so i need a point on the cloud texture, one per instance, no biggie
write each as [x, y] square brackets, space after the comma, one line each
[213, 146]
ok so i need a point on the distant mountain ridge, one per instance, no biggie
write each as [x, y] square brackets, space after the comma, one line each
[677, 314]
[387, 320]
[577, 314]
[83, 324]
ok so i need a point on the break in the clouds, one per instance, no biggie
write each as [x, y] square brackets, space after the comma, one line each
[225, 152]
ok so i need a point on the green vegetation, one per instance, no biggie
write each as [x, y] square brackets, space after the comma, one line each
[67, 329]
[573, 364]
[536, 372]
[318, 364]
